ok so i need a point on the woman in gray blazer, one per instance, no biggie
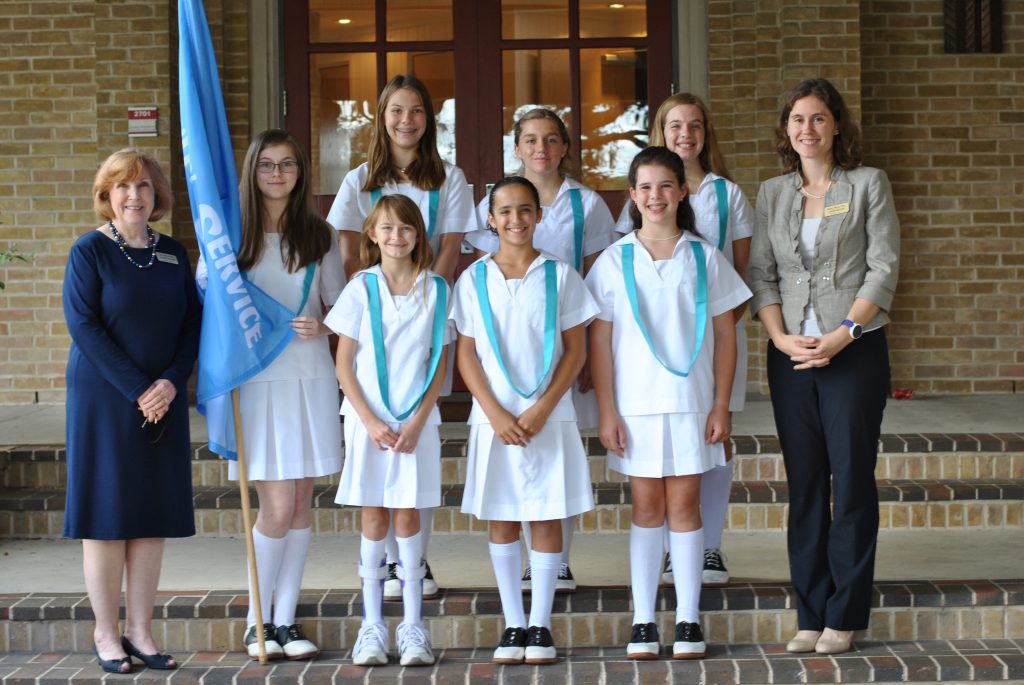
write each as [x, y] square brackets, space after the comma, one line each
[823, 268]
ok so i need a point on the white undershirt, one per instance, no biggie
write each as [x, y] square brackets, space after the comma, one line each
[808, 234]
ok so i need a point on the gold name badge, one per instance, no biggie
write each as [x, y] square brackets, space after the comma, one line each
[832, 210]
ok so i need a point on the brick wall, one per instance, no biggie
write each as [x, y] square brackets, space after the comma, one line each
[68, 72]
[949, 130]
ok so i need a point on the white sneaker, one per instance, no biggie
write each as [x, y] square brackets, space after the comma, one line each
[392, 585]
[413, 645]
[371, 645]
[714, 573]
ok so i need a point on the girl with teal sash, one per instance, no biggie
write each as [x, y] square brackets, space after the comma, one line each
[723, 218]
[575, 226]
[403, 159]
[521, 317]
[290, 409]
[662, 354]
[392, 320]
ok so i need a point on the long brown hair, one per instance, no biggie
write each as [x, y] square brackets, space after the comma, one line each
[565, 164]
[710, 156]
[846, 148]
[305, 237]
[427, 170]
[405, 211]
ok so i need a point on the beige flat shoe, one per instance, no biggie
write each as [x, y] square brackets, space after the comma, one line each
[801, 645]
[834, 646]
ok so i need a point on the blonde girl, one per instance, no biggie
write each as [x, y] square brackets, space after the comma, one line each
[662, 353]
[392, 323]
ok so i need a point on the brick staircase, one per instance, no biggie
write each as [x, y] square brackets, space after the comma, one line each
[924, 630]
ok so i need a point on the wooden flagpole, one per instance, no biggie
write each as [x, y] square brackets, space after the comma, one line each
[250, 550]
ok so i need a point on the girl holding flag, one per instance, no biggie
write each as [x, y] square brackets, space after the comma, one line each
[525, 458]
[662, 354]
[392, 322]
[289, 410]
[404, 160]
[724, 218]
[575, 226]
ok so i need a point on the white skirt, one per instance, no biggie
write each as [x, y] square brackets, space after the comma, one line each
[394, 480]
[738, 398]
[659, 445]
[291, 429]
[546, 480]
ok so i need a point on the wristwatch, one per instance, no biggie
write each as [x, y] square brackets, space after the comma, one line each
[854, 328]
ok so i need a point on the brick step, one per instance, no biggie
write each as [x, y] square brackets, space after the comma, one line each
[923, 661]
[755, 506]
[592, 617]
[930, 456]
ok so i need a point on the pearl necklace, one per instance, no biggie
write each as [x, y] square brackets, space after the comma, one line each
[807, 193]
[119, 239]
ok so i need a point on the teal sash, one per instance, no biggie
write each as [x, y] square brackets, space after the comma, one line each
[722, 195]
[576, 198]
[700, 315]
[550, 321]
[379, 355]
[434, 197]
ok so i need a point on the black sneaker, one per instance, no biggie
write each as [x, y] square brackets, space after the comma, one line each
[565, 582]
[392, 585]
[689, 642]
[540, 648]
[429, 585]
[512, 648]
[270, 643]
[643, 642]
[527, 582]
[295, 644]
[715, 574]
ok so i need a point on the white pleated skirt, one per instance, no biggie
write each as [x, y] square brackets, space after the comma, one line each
[659, 445]
[546, 480]
[291, 429]
[394, 480]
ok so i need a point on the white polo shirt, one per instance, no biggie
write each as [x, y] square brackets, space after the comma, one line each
[407, 323]
[666, 291]
[518, 313]
[555, 231]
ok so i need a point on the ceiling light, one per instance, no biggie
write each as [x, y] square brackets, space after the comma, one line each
[344, 21]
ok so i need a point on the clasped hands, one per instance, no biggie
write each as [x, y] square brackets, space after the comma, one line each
[156, 400]
[812, 352]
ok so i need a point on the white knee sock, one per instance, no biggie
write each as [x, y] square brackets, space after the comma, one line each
[507, 567]
[545, 566]
[390, 545]
[289, 576]
[687, 550]
[411, 570]
[372, 571]
[568, 528]
[269, 552]
[645, 546]
[715, 486]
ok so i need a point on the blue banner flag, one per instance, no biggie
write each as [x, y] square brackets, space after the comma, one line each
[244, 329]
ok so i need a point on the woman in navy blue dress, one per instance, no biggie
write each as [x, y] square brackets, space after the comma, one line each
[133, 316]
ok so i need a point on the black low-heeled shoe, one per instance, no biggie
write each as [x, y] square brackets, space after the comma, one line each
[158, 661]
[112, 665]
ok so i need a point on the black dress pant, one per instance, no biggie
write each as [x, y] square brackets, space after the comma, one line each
[829, 420]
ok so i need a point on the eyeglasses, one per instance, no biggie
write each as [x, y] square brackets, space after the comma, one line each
[288, 166]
